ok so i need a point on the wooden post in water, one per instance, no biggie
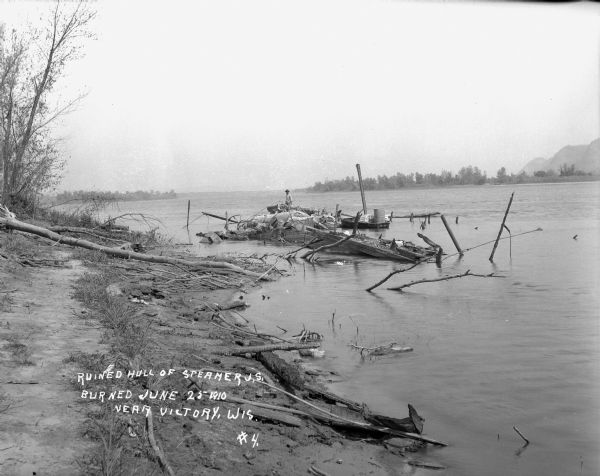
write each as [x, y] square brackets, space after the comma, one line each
[502, 226]
[451, 235]
[362, 191]
[337, 207]
[187, 223]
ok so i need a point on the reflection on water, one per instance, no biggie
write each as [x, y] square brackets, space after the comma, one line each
[488, 353]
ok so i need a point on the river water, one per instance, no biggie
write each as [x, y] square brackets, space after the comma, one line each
[489, 353]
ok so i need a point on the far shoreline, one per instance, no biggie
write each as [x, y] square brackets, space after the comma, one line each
[556, 180]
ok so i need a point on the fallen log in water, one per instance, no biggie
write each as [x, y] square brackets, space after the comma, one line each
[412, 424]
[338, 421]
[341, 422]
[288, 374]
[209, 266]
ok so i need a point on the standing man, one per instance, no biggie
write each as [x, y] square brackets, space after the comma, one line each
[288, 199]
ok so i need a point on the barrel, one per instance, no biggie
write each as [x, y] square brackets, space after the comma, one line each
[379, 216]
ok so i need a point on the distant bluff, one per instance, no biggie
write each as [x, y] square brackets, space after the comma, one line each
[585, 158]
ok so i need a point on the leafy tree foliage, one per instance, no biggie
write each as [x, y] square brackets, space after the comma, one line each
[31, 64]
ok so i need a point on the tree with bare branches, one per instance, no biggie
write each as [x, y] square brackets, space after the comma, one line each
[31, 64]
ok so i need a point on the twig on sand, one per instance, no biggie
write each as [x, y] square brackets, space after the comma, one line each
[445, 278]
[164, 464]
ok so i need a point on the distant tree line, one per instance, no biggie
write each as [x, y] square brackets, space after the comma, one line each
[466, 176]
[83, 195]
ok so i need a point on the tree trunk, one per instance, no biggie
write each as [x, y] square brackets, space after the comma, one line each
[209, 266]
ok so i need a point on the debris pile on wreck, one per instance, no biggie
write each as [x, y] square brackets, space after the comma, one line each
[278, 224]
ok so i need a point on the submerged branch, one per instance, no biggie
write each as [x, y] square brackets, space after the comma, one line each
[390, 275]
[445, 278]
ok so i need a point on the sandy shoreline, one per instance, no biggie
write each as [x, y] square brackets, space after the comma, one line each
[200, 431]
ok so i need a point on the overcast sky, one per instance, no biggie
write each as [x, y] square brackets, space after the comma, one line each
[255, 95]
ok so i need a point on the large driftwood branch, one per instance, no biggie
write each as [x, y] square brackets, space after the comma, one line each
[445, 278]
[255, 349]
[379, 283]
[209, 266]
[84, 231]
[355, 424]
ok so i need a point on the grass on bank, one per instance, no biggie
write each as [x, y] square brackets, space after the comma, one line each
[127, 332]
[128, 337]
[19, 351]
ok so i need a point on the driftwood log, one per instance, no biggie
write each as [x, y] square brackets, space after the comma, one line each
[207, 266]
[412, 424]
[84, 231]
[256, 349]
[289, 375]
[341, 422]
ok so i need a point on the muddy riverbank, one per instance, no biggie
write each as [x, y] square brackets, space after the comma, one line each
[79, 313]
